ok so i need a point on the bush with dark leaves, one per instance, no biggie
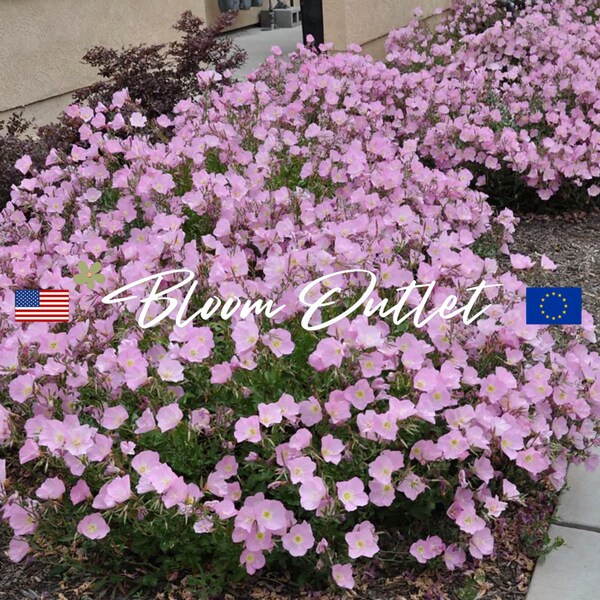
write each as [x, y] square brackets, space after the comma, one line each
[157, 76]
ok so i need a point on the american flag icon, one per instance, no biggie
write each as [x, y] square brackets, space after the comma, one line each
[50, 306]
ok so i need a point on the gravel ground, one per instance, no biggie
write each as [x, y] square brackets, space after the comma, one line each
[573, 243]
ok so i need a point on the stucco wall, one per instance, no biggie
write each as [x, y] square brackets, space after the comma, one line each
[42, 42]
[367, 22]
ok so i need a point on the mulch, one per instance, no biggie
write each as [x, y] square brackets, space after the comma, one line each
[573, 243]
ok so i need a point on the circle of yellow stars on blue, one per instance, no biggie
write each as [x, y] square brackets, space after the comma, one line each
[555, 317]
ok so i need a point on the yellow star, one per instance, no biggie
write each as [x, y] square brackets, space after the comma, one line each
[554, 293]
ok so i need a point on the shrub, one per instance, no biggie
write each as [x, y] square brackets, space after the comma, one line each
[160, 75]
[516, 100]
[156, 76]
[224, 446]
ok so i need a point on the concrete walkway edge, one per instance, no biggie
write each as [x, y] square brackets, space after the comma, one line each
[572, 572]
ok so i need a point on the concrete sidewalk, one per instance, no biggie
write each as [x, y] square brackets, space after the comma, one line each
[572, 572]
[258, 43]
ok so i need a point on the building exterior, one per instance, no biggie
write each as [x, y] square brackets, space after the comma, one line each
[42, 41]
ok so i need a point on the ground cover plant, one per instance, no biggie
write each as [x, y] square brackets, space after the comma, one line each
[227, 447]
[512, 96]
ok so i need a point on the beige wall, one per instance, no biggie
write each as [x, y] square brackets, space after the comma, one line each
[367, 22]
[42, 42]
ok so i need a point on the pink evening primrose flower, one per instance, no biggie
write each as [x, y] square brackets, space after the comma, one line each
[352, 494]
[93, 527]
[168, 417]
[362, 541]
[299, 539]
[342, 575]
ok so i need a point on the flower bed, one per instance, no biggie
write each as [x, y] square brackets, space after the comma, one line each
[256, 441]
[516, 99]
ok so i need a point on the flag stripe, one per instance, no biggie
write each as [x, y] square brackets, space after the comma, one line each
[50, 306]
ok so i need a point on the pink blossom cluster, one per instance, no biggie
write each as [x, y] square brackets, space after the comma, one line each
[308, 168]
[507, 94]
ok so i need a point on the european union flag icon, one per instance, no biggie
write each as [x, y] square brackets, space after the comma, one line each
[553, 306]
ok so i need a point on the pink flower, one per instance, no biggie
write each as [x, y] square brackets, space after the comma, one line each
[381, 494]
[21, 388]
[469, 522]
[532, 460]
[228, 466]
[137, 120]
[279, 341]
[269, 414]
[93, 527]
[289, 408]
[359, 395]
[310, 412]
[509, 490]
[332, 449]
[381, 469]
[520, 261]
[362, 541]
[352, 494]
[322, 546]
[18, 549]
[481, 543]
[52, 489]
[253, 561]
[112, 493]
[248, 429]
[220, 373]
[80, 492]
[300, 440]
[113, 417]
[453, 444]
[145, 423]
[411, 486]
[547, 264]
[312, 493]
[454, 557]
[299, 539]
[168, 417]
[170, 370]
[271, 516]
[245, 335]
[342, 575]
[328, 353]
[24, 164]
[21, 520]
[424, 550]
[301, 469]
